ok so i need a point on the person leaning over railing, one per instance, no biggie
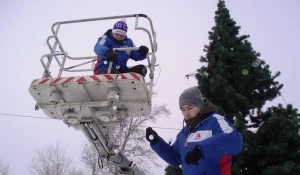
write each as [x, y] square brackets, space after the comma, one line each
[117, 38]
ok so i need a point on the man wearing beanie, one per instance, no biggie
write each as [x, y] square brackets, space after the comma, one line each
[206, 144]
[117, 38]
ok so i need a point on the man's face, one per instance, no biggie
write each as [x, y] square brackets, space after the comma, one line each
[189, 111]
[118, 36]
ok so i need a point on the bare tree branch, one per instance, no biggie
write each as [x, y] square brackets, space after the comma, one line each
[53, 161]
[75, 171]
[4, 169]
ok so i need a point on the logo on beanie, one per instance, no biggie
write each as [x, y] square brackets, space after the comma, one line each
[121, 25]
[120, 28]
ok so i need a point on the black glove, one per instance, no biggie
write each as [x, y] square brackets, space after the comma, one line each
[193, 156]
[111, 56]
[143, 50]
[150, 131]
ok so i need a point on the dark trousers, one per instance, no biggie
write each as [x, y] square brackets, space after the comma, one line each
[140, 69]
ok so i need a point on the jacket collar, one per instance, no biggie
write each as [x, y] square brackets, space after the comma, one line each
[109, 34]
[205, 113]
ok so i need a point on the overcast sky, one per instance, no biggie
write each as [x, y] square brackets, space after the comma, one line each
[182, 31]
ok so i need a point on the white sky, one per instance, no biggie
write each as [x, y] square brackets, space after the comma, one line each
[181, 28]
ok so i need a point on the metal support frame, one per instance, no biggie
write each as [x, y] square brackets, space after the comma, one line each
[57, 43]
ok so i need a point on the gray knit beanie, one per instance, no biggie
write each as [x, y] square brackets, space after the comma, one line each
[191, 96]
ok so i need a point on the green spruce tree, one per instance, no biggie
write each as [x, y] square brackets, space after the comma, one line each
[275, 147]
[233, 76]
[235, 79]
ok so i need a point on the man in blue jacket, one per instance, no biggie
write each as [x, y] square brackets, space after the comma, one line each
[206, 144]
[117, 38]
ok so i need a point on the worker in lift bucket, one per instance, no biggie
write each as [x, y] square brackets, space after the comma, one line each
[117, 38]
[206, 144]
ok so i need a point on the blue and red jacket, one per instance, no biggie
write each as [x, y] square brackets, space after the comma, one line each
[216, 138]
[107, 42]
